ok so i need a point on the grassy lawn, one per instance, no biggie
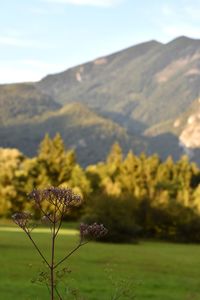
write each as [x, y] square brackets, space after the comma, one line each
[159, 271]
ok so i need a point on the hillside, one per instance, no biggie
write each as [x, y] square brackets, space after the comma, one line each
[20, 102]
[147, 92]
[83, 130]
[136, 82]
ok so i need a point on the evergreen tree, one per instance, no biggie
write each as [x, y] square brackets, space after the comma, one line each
[55, 163]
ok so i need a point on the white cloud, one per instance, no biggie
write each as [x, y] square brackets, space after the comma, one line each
[26, 70]
[46, 11]
[14, 75]
[14, 41]
[167, 10]
[104, 3]
[21, 42]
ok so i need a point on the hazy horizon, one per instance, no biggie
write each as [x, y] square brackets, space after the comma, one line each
[48, 36]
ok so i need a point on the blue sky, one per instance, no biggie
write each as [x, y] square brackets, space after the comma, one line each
[38, 37]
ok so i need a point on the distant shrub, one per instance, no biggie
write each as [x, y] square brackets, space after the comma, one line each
[116, 214]
[174, 222]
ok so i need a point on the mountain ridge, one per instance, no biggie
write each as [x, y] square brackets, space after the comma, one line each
[82, 130]
[144, 90]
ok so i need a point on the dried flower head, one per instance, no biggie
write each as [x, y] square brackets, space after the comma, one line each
[56, 196]
[22, 219]
[47, 219]
[93, 231]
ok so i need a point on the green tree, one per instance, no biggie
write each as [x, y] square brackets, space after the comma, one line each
[55, 163]
[12, 192]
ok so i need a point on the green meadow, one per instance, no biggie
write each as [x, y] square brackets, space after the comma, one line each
[153, 270]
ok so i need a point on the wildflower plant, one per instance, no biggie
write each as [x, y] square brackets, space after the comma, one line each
[58, 202]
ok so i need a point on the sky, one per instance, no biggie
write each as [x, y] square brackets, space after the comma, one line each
[40, 37]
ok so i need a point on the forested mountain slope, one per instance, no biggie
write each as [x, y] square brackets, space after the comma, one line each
[146, 96]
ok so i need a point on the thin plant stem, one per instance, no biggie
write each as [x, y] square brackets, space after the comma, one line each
[52, 256]
[47, 285]
[60, 224]
[45, 214]
[38, 250]
[58, 294]
[69, 254]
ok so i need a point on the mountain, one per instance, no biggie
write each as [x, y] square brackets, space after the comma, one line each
[20, 102]
[148, 94]
[83, 130]
[136, 82]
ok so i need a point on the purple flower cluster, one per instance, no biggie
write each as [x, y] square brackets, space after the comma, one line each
[22, 219]
[56, 196]
[93, 231]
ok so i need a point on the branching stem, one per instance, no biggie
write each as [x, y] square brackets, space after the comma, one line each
[69, 254]
[59, 200]
[38, 250]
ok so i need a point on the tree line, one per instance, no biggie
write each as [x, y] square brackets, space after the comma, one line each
[133, 196]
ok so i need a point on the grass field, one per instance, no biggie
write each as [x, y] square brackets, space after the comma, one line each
[160, 271]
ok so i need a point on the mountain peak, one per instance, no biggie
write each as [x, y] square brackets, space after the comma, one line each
[183, 40]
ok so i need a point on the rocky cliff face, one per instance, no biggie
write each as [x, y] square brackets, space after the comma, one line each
[190, 135]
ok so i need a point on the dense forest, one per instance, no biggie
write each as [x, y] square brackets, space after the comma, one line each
[134, 196]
